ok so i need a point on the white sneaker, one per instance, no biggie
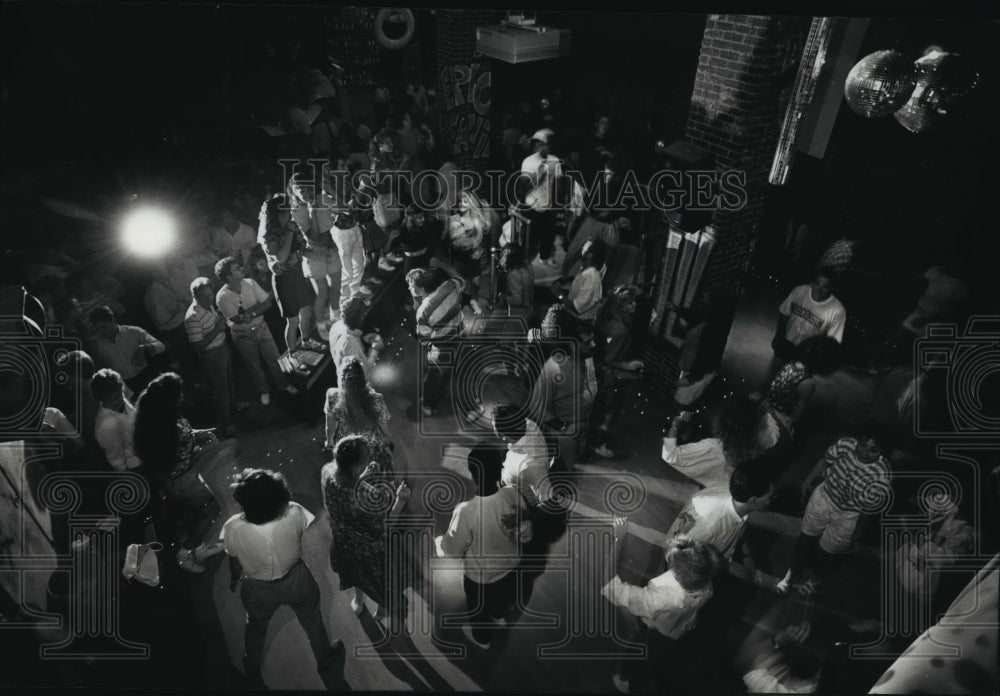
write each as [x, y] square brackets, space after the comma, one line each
[604, 452]
[394, 258]
[365, 290]
[323, 329]
[383, 263]
[265, 399]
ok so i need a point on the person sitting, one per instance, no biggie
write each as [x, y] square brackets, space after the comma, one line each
[419, 237]
[613, 344]
[471, 232]
[125, 348]
[264, 545]
[586, 291]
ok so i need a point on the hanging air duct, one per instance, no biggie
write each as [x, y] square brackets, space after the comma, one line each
[520, 40]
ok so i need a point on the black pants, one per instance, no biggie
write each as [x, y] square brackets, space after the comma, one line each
[298, 589]
[489, 601]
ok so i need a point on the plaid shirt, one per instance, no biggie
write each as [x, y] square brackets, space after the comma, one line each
[852, 485]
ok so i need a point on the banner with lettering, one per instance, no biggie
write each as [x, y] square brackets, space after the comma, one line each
[465, 95]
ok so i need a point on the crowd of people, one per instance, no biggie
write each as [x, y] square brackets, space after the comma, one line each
[306, 278]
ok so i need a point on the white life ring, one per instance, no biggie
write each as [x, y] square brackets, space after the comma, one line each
[395, 13]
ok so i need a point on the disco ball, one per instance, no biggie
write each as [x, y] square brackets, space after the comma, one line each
[879, 83]
[942, 80]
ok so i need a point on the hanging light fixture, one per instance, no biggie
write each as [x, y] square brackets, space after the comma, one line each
[942, 79]
[879, 83]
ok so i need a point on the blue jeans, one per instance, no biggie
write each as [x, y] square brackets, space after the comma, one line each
[258, 350]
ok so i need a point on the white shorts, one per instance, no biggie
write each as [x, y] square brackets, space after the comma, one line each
[319, 263]
[833, 526]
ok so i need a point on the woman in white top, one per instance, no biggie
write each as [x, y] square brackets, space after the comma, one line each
[587, 290]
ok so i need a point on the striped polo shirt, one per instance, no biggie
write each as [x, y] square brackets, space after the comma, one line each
[198, 321]
[440, 313]
[852, 485]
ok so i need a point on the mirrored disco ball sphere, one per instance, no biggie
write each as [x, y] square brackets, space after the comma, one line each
[879, 83]
[942, 80]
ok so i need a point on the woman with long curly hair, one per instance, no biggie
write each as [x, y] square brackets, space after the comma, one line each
[175, 453]
[472, 230]
[353, 407]
[358, 487]
[792, 388]
[278, 236]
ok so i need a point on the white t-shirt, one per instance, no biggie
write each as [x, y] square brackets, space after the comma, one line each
[808, 318]
[711, 517]
[238, 244]
[479, 535]
[230, 302]
[267, 551]
[533, 163]
[527, 463]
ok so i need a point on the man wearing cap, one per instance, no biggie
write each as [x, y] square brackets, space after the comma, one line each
[541, 160]
[541, 170]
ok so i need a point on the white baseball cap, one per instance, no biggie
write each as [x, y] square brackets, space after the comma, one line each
[544, 135]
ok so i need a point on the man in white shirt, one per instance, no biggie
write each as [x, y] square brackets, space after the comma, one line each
[666, 608]
[125, 348]
[243, 303]
[487, 533]
[115, 420]
[264, 545]
[717, 516]
[526, 464]
[809, 310]
[230, 237]
[206, 332]
[541, 162]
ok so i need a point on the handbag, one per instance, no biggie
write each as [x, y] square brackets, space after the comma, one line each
[142, 563]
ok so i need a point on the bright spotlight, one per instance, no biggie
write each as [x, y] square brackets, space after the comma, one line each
[148, 232]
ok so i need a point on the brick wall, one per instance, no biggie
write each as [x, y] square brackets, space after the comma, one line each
[464, 82]
[736, 113]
